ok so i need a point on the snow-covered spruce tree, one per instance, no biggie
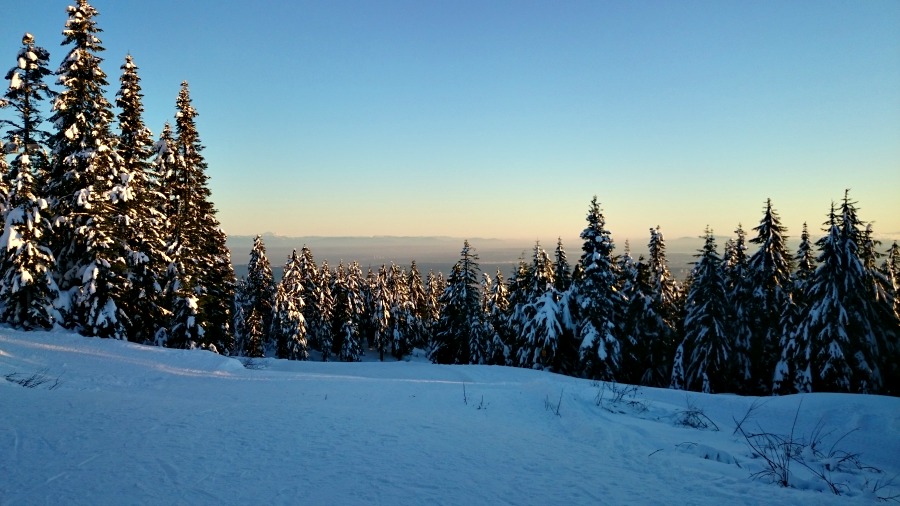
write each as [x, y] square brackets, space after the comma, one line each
[885, 337]
[200, 263]
[380, 317]
[837, 342]
[891, 270]
[461, 311]
[348, 307]
[27, 286]
[418, 300]
[309, 279]
[790, 340]
[261, 290]
[92, 268]
[288, 324]
[708, 343]
[325, 312]
[496, 309]
[637, 317]
[562, 271]
[662, 317]
[434, 287]
[598, 304]
[141, 222]
[769, 271]
[402, 313]
[538, 322]
[739, 290]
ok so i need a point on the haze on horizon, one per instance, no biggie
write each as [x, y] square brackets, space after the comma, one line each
[503, 119]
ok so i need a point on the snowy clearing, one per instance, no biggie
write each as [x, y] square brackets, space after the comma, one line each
[127, 424]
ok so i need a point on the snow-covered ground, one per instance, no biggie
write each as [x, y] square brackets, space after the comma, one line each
[119, 423]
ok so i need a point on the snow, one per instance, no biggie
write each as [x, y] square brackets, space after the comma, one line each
[15, 81]
[146, 425]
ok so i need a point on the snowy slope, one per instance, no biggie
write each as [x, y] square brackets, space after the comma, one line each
[128, 424]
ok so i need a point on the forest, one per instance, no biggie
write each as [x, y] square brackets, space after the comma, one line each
[112, 233]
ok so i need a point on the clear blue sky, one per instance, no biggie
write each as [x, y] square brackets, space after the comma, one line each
[503, 119]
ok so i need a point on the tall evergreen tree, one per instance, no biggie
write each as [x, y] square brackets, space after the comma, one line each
[537, 321]
[200, 261]
[261, 291]
[90, 256]
[562, 271]
[325, 306]
[461, 313]
[27, 286]
[288, 324]
[496, 311]
[140, 221]
[418, 299]
[770, 278]
[708, 344]
[598, 303]
[739, 289]
[661, 319]
[402, 313]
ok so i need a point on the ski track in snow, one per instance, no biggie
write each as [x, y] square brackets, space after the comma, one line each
[130, 424]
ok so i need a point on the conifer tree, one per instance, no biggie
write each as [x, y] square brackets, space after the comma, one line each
[497, 314]
[90, 256]
[707, 347]
[380, 317]
[141, 219]
[260, 291]
[739, 291]
[325, 305]
[661, 318]
[598, 303]
[633, 286]
[786, 371]
[200, 263]
[309, 279]
[418, 300]
[402, 313]
[562, 271]
[538, 321]
[838, 345]
[27, 286]
[461, 311]
[288, 324]
[770, 278]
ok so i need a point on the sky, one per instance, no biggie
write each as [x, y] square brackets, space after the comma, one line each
[502, 119]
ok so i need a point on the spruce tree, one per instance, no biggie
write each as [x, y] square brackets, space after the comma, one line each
[402, 313]
[739, 289]
[537, 321]
[288, 324]
[325, 305]
[418, 300]
[84, 206]
[562, 271]
[598, 304]
[27, 287]
[707, 346]
[381, 316]
[200, 263]
[461, 311]
[141, 221]
[662, 317]
[770, 278]
[261, 291]
[497, 314]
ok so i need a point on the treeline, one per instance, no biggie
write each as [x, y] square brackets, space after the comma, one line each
[822, 319]
[106, 232]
